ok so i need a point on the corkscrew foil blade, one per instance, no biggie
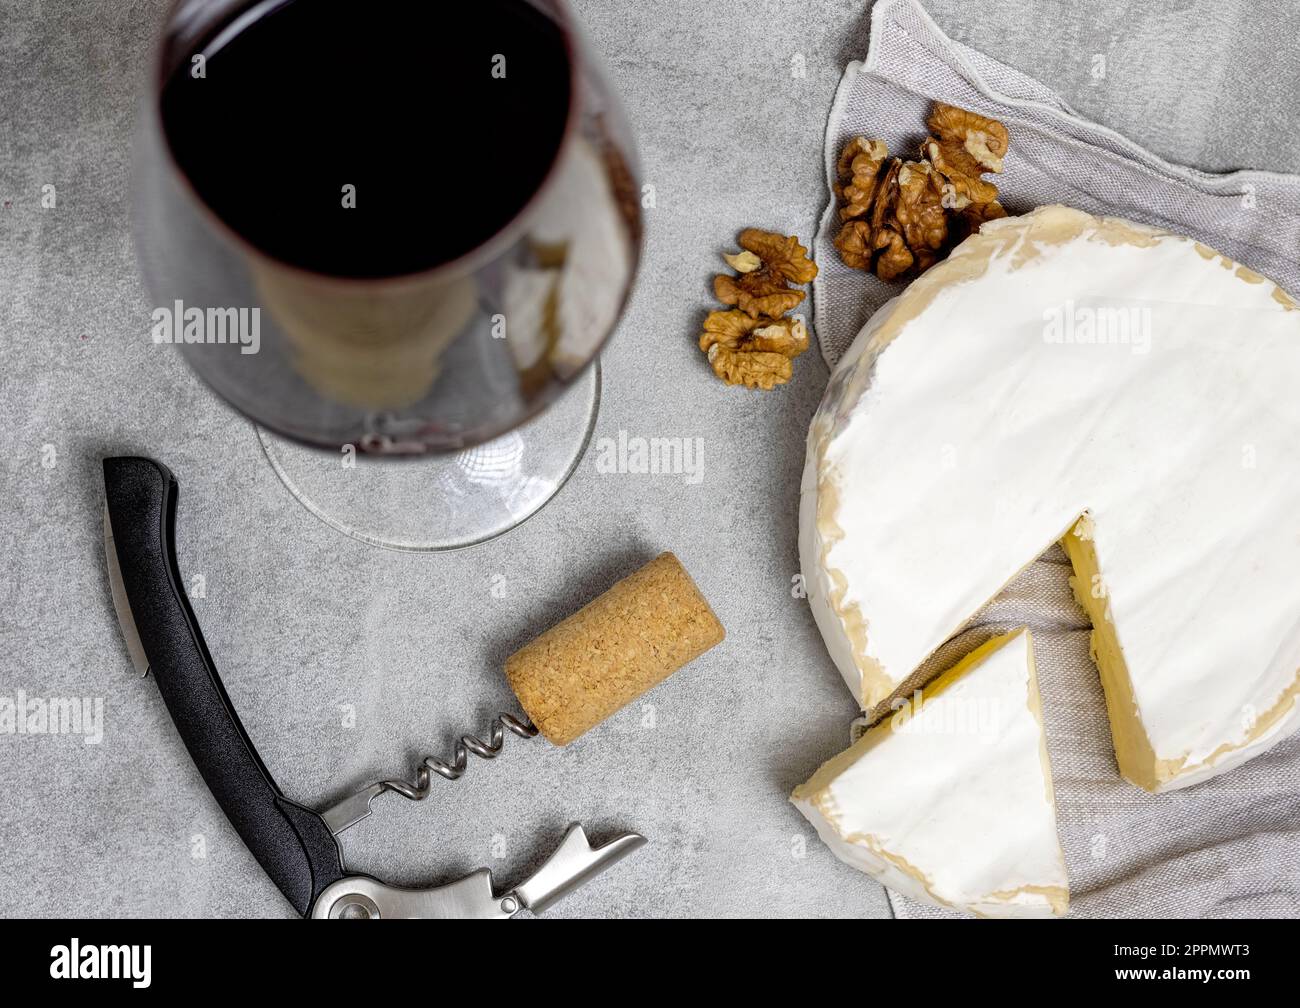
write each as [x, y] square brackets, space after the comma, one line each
[121, 605]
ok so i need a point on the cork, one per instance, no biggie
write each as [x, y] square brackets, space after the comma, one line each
[612, 650]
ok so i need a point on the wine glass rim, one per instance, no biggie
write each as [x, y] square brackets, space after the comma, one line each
[464, 264]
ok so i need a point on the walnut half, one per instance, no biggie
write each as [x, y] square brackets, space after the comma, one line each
[743, 350]
[766, 268]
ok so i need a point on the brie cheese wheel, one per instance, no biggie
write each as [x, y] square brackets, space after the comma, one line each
[1126, 391]
[949, 800]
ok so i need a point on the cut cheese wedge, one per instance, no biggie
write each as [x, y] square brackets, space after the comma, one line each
[1127, 390]
[950, 799]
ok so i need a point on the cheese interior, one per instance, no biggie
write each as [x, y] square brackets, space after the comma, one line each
[950, 801]
[1060, 365]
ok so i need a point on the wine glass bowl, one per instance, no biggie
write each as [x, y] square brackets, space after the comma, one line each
[442, 357]
[485, 256]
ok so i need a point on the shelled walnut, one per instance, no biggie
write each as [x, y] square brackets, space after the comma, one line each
[768, 265]
[753, 343]
[901, 217]
[758, 352]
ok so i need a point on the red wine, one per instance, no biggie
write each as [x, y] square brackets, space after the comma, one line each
[444, 119]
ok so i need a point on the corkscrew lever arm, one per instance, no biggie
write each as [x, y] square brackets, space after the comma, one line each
[574, 862]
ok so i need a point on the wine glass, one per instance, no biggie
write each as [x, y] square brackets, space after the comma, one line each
[409, 396]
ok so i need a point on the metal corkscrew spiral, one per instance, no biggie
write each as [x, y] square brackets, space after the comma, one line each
[355, 807]
[460, 756]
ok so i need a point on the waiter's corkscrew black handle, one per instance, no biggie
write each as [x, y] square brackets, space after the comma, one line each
[292, 843]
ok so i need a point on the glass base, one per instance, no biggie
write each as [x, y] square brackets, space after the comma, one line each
[442, 502]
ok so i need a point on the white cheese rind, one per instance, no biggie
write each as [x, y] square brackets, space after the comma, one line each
[971, 425]
[953, 804]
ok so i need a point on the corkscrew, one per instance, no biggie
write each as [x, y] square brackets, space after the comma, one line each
[460, 758]
[297, 847]
[355, 807]
[567, 680]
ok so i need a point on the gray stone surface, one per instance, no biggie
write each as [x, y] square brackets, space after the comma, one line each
[302, 620]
